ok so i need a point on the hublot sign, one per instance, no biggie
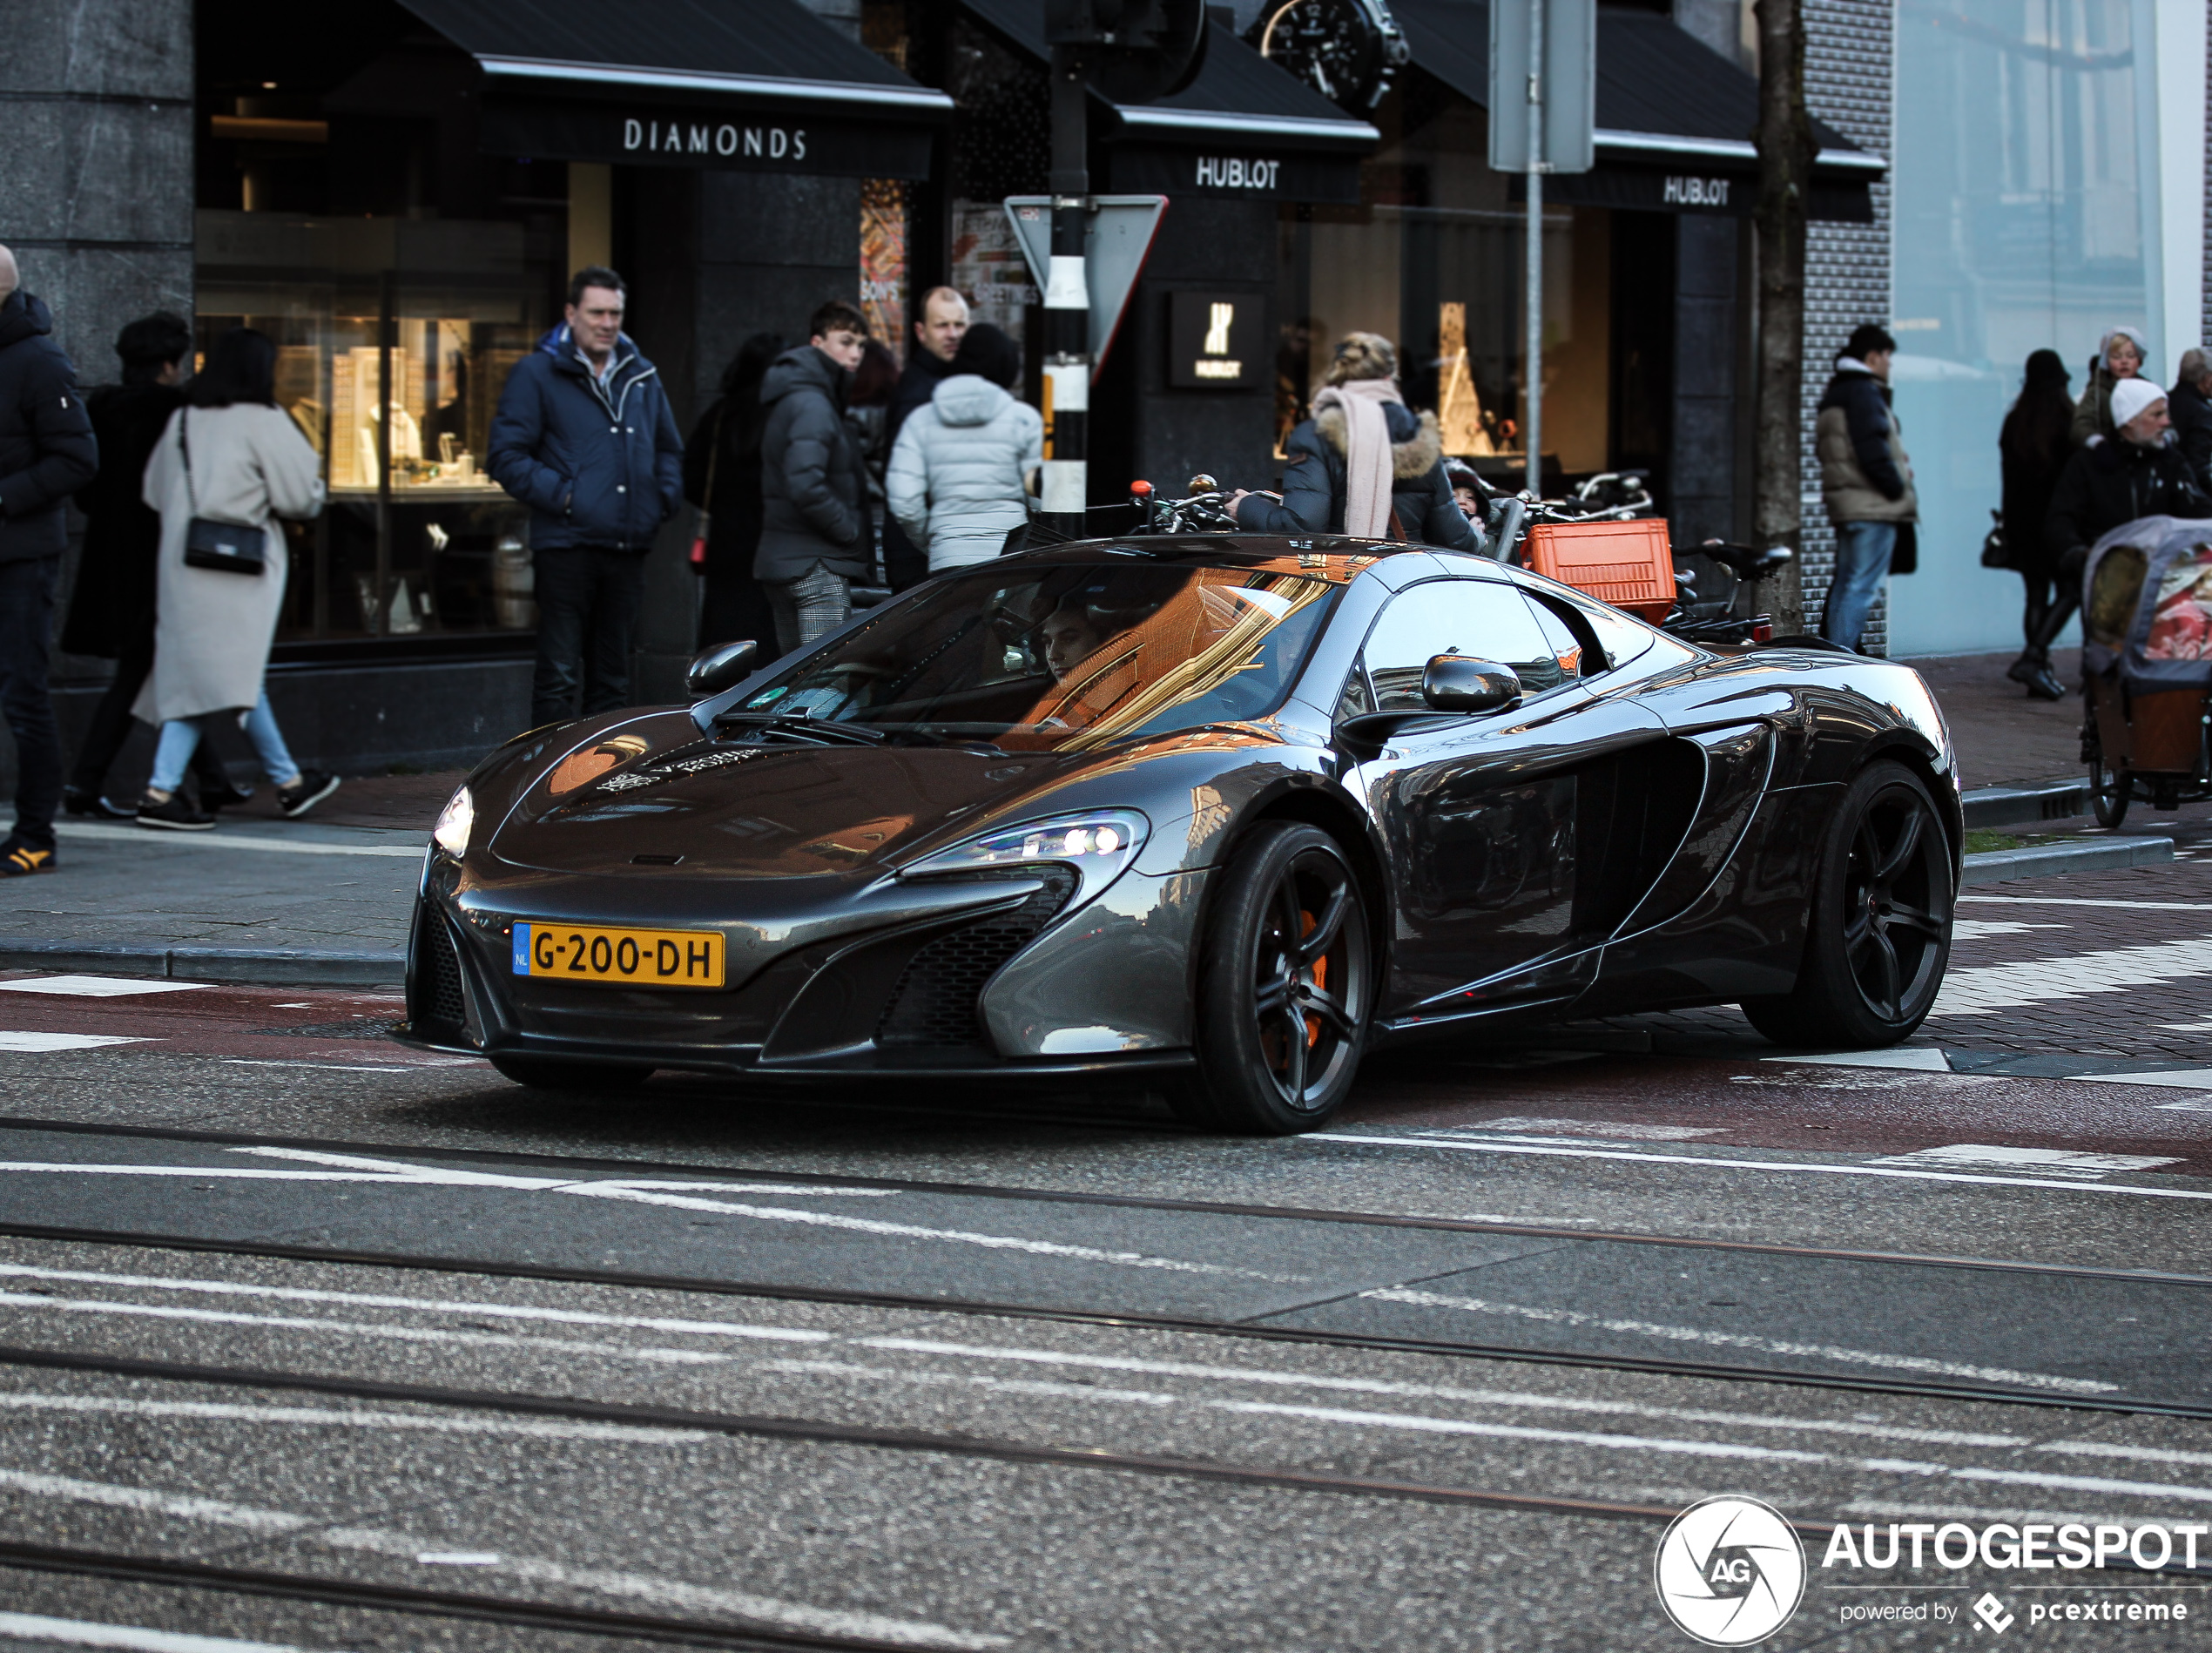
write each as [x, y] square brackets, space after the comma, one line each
[834, 145]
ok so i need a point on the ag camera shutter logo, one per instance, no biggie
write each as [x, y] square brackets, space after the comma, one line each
[1731, 1571]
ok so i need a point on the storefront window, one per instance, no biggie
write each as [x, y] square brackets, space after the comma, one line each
[884, 234]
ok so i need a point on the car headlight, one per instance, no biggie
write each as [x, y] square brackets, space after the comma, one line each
[1097, 844]
[451, 834]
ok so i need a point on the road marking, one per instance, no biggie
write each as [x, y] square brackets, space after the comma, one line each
[431, 1305]
[2085, 900]
[62, 1041]
[1744, 1341]
[329, 1417]
[1983, 988]
[1610, 1127]
[460, 1558]
[76, 1632]
[1917, 1057]
[140, 836]
[99, 987]
[331, 1066]
[1968, 1153]
[1973, 930]
[1319, 1139]
[623, 1585]
[2180, 1079]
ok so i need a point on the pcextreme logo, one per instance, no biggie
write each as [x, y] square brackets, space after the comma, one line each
[1731, 1571]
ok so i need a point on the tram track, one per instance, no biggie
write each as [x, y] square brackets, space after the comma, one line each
[1076, 1197]
[1989, 1394]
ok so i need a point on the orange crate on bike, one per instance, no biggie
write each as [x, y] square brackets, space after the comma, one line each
[1629, 564]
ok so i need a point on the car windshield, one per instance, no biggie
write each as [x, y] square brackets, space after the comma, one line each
[1062, 656]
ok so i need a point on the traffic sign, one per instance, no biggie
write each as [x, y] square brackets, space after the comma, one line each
[1116, 244]
[1564, 82]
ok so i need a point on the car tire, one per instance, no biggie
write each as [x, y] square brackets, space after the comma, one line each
[552, 1073]
[1880, 932]
[1282, 1019]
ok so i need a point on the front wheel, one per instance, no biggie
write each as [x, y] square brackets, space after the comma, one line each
[1881, 921]
[2110, 787]
[1285, 988]
[550, 1073]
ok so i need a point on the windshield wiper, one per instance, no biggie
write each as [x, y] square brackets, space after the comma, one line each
[830, 731]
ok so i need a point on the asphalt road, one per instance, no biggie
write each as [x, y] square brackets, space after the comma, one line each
[310, 1341]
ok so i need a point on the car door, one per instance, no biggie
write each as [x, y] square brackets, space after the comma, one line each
[1486, 817]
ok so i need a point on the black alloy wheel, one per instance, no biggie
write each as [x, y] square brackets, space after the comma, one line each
[556, 1073]
[1880, 932]
[2111, 788]
[1285, 987]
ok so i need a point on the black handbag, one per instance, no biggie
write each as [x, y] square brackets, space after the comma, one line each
[1995, 553]
[235, 548]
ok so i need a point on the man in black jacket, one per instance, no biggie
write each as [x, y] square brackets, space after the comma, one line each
[46, 454]
[814, 529]
[584, 436]
[937, 336]
[2138, 472]
[2189, 404]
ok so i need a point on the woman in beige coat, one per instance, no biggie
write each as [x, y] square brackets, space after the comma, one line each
[229, 455]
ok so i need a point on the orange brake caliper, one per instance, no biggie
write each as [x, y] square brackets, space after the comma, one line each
[1320, 981]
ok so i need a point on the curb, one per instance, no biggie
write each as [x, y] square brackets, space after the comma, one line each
[2009, 806]
[273, 966]
[2079, 855]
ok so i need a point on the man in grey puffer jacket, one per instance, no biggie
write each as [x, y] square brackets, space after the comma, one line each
[958, 477]
[815, 536]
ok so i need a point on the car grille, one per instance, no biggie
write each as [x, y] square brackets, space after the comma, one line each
[935, 1003]
[437, 975]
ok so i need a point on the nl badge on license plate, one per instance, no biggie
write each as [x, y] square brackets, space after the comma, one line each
[626, 957]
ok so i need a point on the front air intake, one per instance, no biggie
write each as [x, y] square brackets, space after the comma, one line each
[437, 993]
[936, 1003]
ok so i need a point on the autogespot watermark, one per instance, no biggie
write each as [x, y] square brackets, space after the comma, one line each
[1731, 1570]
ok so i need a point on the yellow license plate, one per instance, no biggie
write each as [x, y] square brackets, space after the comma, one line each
[639, 958]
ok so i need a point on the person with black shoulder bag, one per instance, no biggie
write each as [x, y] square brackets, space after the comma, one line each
[230, 463]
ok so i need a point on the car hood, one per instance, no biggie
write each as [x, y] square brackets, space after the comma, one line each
[770, 810]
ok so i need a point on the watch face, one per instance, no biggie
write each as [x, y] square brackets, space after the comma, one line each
[1338, 47]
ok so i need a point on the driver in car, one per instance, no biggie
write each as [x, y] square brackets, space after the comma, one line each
[1071, 636]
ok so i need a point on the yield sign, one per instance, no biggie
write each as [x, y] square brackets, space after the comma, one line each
[1122, 228]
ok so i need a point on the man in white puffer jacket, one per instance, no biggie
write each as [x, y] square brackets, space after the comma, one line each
[960, 475]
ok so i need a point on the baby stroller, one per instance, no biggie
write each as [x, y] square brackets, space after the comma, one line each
[2147, 665]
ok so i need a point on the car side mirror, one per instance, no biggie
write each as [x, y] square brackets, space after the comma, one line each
[1465, 686]
[723, 666]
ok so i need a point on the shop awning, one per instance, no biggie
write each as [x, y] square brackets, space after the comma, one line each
[754, 85]
[1243, 130]
[1673, 117]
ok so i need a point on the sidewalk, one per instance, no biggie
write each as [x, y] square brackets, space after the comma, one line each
[328, 899]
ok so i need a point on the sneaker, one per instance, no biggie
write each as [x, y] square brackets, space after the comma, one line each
[229, 795]
[305, 793]
[78, 801]
[176, 814]
[17, 857]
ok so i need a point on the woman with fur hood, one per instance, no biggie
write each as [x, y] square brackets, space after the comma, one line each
[1365, 464]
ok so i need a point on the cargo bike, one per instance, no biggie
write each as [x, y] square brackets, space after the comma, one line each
[2147, 666]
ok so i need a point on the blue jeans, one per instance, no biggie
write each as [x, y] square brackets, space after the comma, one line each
[180, 738]
[1862, 563]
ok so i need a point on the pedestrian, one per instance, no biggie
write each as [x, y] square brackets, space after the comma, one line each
[2120, 354]
[1363, 463]
[2033, 449]
[1866, 482]
[814, 535]
[2189, 405]
[722, 477]
[942, 325]
[960, 477]
[111, 606]
[229, 459]
[47, 453]
[584, 436]
[2138, 473]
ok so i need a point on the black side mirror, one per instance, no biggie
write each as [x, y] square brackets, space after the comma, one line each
[1459, 683]
[723, 666]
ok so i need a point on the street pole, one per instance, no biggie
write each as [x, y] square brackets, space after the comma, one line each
[1066, 490]
[1533, 435]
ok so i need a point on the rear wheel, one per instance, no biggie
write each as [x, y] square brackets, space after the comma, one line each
[1880, 933]
[1285, 987]
[551, 1073]
[2109, 787]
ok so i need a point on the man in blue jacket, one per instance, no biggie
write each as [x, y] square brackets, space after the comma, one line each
[47, 453]
[584, 437]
